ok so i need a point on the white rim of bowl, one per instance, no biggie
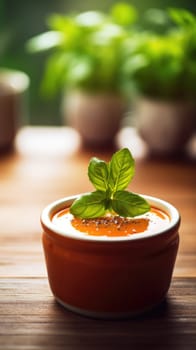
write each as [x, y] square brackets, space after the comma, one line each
[65, 202]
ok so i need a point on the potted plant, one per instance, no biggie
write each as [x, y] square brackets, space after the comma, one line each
[85, 65]
[110, 253]
[13, 84]
[162, 74]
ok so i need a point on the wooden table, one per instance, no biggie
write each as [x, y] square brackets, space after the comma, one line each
[49, 163]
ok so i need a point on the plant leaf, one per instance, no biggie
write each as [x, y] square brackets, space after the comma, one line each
[121, 170]
[91, 205]
[129, 204]
[182, 17]
[98, 174]
[124, 13]
[110, 180]
[45, 41]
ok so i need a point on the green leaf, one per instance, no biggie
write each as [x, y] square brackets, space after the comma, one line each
[182, 17]
[55, 73]
[90, 19]
[91, 205]
[124, 13]
[110, 180]
[80, 69]
[98, 174]
[44, 41]
[129, 204]
[121, 170]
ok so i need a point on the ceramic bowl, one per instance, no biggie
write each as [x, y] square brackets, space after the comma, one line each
[110, 278]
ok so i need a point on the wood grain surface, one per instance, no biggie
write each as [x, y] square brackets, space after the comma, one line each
[47, 164]
[31, 319]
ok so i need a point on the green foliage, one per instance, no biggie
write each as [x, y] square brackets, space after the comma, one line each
[121, 170]
[124, 14]
[86, 49]
[164, 65]
[91, 205]
[98, 174]
[129, 204]
[154, 55]
[110, 181]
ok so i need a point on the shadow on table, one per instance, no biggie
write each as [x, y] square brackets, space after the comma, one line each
[162, 328]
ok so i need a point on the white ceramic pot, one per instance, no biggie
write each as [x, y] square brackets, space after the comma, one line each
[13, 84]
[97, 117]
[165, 126]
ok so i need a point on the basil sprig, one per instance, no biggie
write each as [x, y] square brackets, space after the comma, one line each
[110, 181]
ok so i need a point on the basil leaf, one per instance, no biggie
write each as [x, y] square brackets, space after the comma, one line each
[121, 170]
[91, 205]
[98, 174]
[129, 204]
[110, 181]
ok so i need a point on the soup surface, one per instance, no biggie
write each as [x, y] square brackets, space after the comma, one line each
[112, 225]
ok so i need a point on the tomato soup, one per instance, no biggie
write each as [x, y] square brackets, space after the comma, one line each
[112, 225]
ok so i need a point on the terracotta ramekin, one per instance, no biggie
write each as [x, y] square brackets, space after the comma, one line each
[110, 278]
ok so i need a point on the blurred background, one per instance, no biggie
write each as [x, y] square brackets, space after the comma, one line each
[20, 20]
[99, 67]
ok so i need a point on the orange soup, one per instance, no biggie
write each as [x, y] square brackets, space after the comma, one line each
[112, 225]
